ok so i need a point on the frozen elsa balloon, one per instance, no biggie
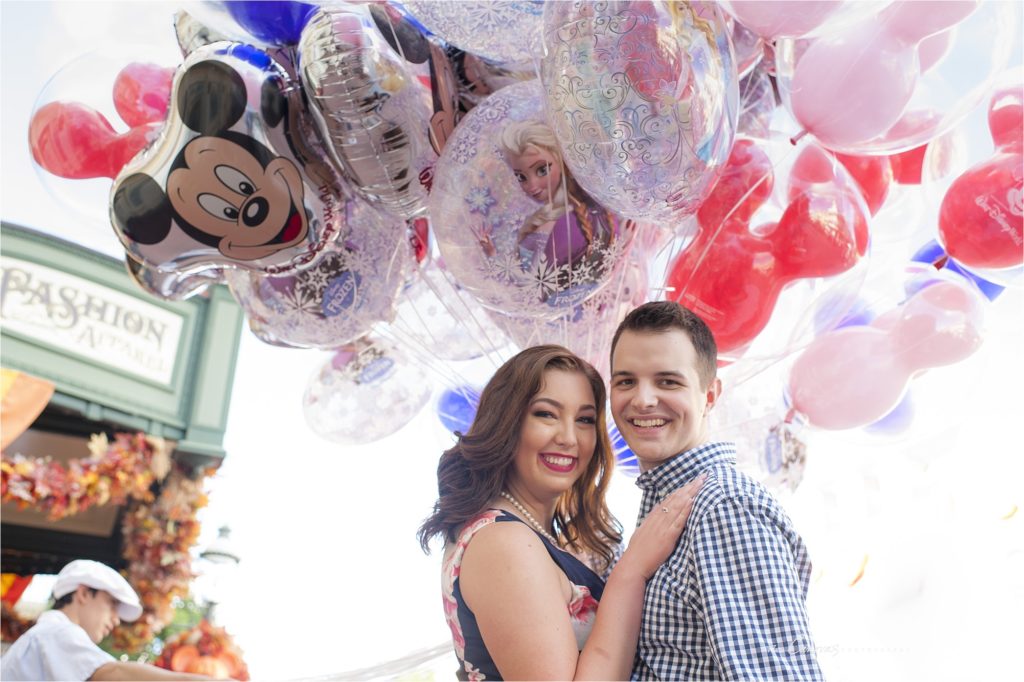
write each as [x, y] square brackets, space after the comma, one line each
[565, 227]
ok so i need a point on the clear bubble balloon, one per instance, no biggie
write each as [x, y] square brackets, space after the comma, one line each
[365, 391]
[588, 329]
[513, 226]
[352, 285]
[643, 97]
[749, 48]
[750, 412]
[91, 118]
[499, 30]
[757, 104]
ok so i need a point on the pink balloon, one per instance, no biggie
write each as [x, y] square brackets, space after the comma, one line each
[855, 86]
[912, 22]
[782, 18]
[933, 48]
[854, 376]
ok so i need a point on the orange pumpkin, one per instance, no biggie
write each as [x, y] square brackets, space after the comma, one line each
[184, 658]
[208, 665]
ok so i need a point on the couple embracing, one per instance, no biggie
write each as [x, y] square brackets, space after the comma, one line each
[534, 583]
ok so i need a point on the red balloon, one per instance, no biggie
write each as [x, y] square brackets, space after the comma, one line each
[874, 174]
[980, 220]
[906, 166]
[716, 277]
[142, 92]
[732, 277]
[745, 184]
[77, 142]
[1005, 113]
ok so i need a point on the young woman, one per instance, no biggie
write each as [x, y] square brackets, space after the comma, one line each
[522, 511]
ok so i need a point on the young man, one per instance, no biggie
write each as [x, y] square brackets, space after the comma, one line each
[729, 602]
[91, 599]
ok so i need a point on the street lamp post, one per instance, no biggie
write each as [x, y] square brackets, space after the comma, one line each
[219, 560]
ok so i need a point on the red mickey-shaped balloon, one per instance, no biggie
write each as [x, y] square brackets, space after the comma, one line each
[732, 277]
[980, 221]
[77, 142]
[142, 92]
[821, 234]
[745, 184]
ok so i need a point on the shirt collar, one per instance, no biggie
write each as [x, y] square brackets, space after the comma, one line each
[53, 614]
[685, 466]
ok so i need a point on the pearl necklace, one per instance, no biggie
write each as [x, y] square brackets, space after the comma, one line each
[529, 517]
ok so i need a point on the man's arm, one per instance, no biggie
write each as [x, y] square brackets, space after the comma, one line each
[125, 670]
[753, 597]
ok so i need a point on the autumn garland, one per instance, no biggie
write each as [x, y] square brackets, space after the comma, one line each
[112, 473]
[158, 533]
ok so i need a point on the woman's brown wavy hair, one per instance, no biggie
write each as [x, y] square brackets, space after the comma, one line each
[473, 472]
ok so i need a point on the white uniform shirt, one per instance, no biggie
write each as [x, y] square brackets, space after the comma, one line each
[53, 649]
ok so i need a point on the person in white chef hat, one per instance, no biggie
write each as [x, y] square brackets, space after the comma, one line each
[91, 599]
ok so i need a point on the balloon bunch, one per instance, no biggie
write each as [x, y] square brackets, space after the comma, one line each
[540, 159]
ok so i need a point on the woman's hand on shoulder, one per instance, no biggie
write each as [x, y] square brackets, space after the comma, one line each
[655, 538]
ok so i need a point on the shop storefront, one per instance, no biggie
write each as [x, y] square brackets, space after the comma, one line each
[114, 410]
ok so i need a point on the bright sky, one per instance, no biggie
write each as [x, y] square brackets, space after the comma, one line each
[331, 577]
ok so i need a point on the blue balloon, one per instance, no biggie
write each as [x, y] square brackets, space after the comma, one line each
[897, 421]
[933, 254]
[274, 22]
[625, 459]
[456, 408]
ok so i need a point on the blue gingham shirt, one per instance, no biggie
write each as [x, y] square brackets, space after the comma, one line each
[729, 602]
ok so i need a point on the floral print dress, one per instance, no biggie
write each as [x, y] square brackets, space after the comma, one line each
[475, 661]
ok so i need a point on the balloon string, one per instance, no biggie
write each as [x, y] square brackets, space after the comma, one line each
[394, 34]
[453, 295]
[419, 353]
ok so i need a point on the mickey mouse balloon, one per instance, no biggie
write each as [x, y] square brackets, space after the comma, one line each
[235, 179]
